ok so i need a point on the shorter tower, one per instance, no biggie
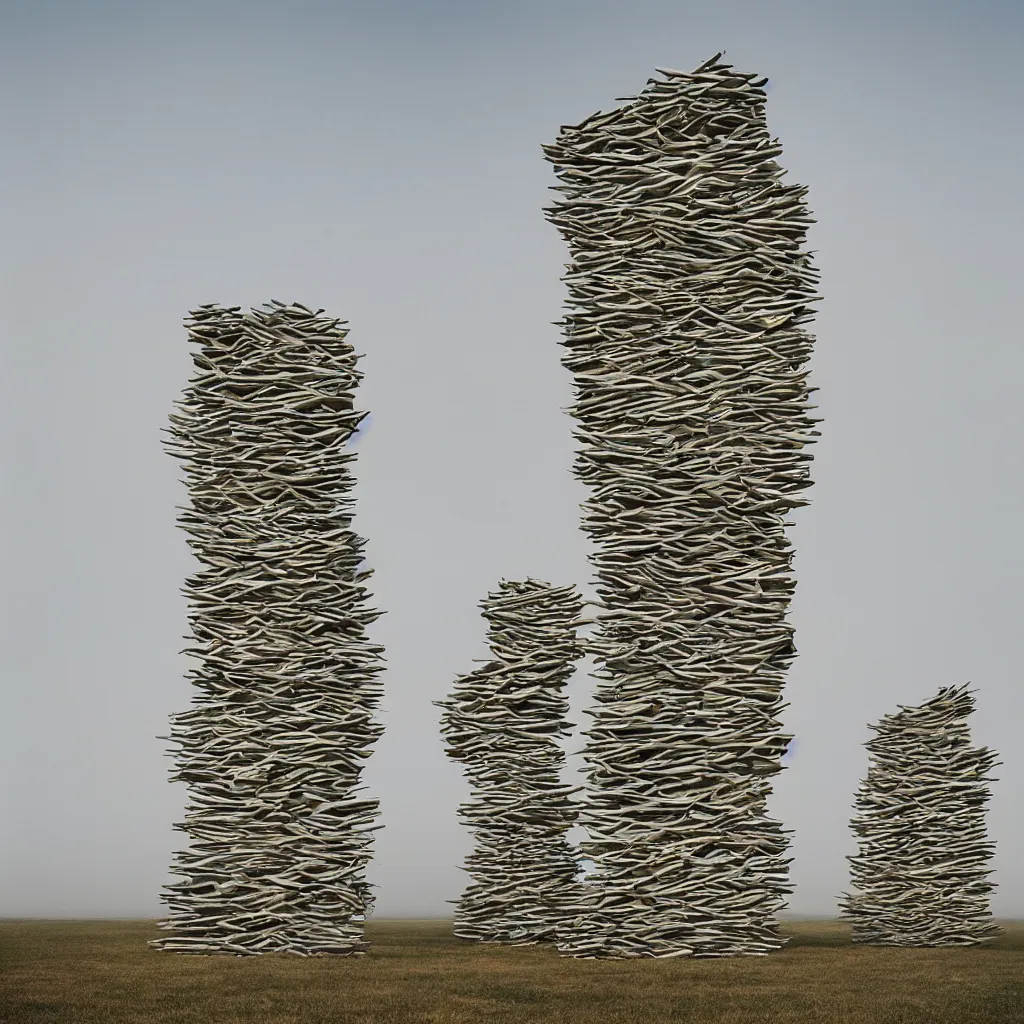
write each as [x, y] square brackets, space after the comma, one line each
[921, 875]
[503, 721]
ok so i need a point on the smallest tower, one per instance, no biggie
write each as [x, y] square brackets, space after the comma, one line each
[503, 721]
[920, 877]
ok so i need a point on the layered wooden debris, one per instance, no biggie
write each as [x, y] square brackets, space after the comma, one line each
[688, 287]
[503, 721]
[920, 877]
[282, 717]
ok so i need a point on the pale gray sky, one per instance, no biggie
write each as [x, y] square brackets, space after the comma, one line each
[383, 160]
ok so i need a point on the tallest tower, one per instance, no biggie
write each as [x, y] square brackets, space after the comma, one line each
[689, 287]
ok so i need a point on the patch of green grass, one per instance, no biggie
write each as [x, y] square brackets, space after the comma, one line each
[57, 972]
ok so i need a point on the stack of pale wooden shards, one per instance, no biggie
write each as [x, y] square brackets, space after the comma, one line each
[688, 290]
[503, 722]
[920, 877]
[282, 718]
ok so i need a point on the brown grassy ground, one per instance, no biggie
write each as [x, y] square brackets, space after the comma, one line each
[84, 972]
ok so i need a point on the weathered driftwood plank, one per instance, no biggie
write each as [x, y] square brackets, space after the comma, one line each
[282, 717]
[688, 287]
[920, 877]
[503, 721]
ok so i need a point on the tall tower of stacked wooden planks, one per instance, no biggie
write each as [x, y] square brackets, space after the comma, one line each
[282, 718]
[689, 287]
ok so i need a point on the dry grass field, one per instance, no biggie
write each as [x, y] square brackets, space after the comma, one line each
[85, 972]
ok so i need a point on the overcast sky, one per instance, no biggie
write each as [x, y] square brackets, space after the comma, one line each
[383, 160]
